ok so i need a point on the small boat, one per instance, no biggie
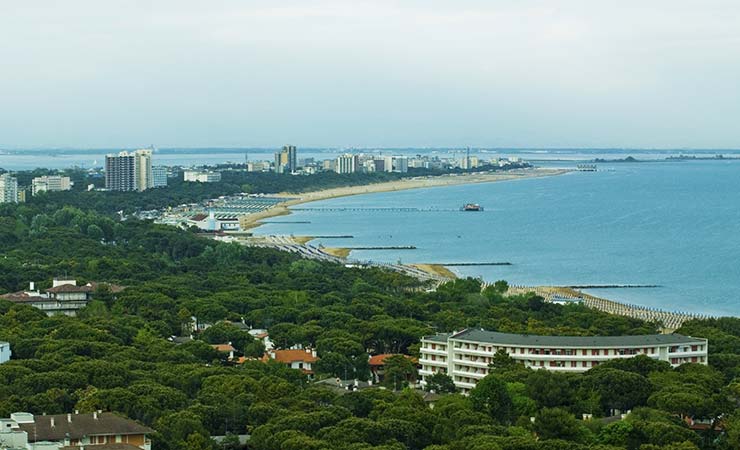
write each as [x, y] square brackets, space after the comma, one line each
[471, 207]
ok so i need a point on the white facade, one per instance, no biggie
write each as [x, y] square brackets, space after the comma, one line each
[50, 183]
[8, 189]
[346, 164]
[201, 177]
[5, 352]
[465, 356]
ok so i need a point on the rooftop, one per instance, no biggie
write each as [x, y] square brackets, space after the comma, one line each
[79, 425]
[379, 360]
[494, 337]
[289, 356]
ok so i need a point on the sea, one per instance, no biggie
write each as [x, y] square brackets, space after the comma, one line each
[674, 224]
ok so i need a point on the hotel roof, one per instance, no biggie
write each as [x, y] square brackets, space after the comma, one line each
[528, 340]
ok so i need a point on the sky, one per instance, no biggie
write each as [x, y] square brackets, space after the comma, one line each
[495, 73]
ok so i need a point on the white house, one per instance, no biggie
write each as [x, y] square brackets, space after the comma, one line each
[5, 352]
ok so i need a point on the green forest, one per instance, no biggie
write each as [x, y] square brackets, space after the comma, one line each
[116, 355]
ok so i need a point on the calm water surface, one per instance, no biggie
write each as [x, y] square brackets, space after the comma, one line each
[675, 224]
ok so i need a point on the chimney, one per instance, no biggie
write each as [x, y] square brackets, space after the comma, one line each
[52, 423]
[69, 418]
[77, 411]
[31, 286]
[95, 415]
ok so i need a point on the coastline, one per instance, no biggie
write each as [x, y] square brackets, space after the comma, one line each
[250, 221]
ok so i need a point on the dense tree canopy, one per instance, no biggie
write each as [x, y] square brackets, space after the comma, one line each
[116, 354]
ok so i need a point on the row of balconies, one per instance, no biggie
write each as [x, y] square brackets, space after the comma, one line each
[433, 362]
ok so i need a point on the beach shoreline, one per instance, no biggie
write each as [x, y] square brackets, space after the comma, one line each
[254, 220]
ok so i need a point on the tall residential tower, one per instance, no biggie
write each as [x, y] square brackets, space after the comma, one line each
[129, 171]
[8, 189]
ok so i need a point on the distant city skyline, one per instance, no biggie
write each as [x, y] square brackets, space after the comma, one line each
[492, 74]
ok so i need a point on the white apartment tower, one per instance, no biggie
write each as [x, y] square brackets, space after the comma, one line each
[8, 189]
[347, 164]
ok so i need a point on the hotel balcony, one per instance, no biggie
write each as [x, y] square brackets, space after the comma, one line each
[435, 351]
[430, 362]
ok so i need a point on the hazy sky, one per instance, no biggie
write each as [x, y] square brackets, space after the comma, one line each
[494, 73]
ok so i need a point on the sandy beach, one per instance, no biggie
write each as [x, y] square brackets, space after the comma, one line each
[253, 220]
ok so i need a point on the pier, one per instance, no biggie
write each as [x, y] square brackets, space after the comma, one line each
[360, 209]
[613, 286]
[393, 247]
[334, 236]
[462, 264]
[288, 221]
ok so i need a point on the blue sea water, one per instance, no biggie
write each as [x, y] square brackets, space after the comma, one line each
[673, 224]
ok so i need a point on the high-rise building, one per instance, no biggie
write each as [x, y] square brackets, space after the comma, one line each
[400, 164]
[8, 189]
[50, 183]
[129, 171]
[347, 163]
[120, 172]
[286, 160]
[159, 175]
[144, 176]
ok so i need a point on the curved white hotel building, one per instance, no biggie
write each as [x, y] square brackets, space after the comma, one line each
[465, 355]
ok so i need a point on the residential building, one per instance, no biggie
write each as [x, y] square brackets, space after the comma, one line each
[50, 183]
[129, 171]
[225, 348]
[400, 164]
[347, 163]
[72, 432]
[377, 365]
[159, 176]
[64, 297]
[8, 188]
[5, 352]
[301, 359]
[465, 355]
[143, 169]
[120, 174]
[286, 160]
[200, 176]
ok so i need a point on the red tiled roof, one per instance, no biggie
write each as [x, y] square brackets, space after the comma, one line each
[199, 217]
[223, 347]
[289, 356]
[379, 360]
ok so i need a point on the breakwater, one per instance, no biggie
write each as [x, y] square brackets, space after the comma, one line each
[668, 320]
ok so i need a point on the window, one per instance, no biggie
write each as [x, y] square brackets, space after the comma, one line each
[594, 352]
[572, 364]
[693, 348]
[434, 346]
[583, 352]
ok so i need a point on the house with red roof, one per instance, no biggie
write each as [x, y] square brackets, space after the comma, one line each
[301, 359]
[377, 364]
